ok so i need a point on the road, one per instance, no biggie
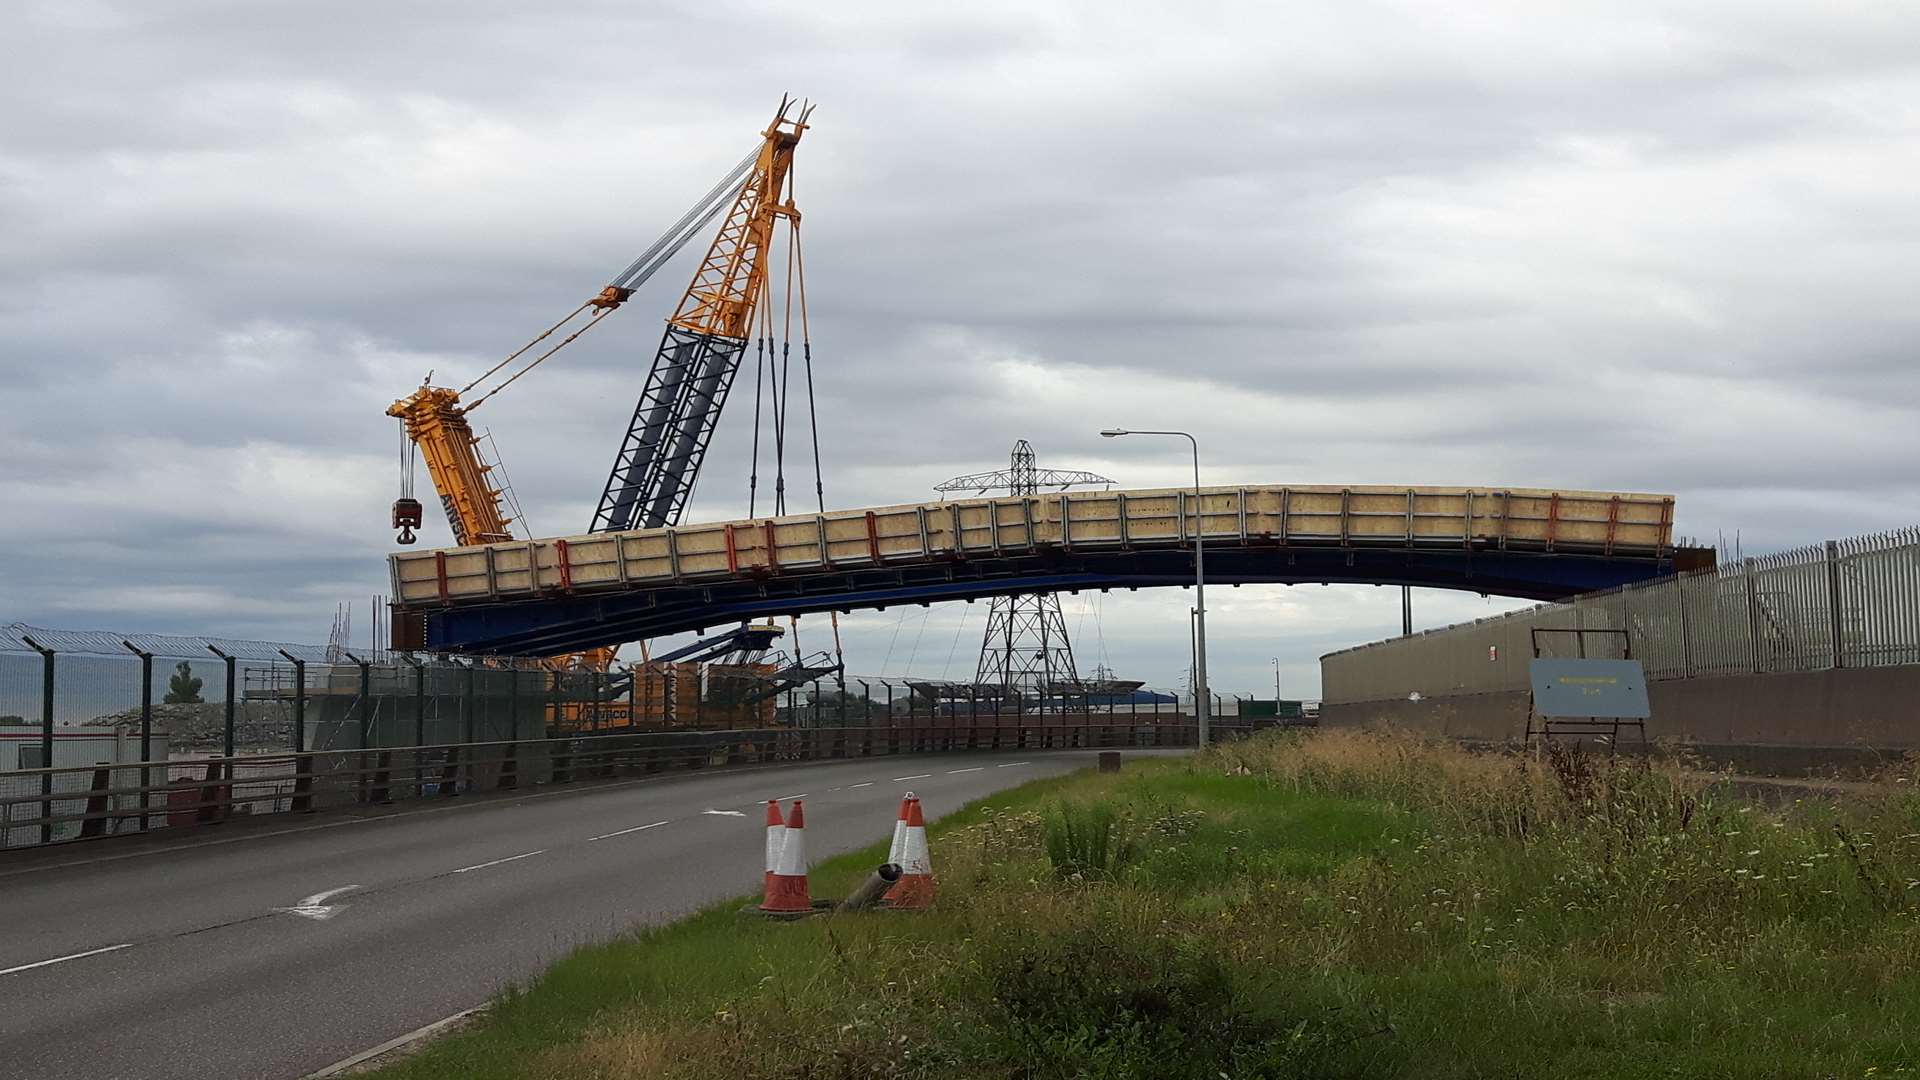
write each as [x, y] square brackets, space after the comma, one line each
[275, 953]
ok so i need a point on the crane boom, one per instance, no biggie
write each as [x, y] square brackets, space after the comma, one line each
[666, 441]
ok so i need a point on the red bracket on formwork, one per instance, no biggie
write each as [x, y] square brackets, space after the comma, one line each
[733, 553]
[773, 555]
[440, 571]
[1553, 518]
[873, 539]
[1666, 523]
[562, 564]
[1613, 522]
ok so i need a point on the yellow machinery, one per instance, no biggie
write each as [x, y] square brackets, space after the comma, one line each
[705, 340]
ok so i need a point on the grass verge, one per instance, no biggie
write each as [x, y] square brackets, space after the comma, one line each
[1327, 905]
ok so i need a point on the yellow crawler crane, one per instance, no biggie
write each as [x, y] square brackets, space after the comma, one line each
[706, 337]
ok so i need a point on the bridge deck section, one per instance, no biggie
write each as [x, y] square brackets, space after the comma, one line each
[541, 594]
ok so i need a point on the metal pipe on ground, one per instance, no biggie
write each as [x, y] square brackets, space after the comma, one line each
[872, 889]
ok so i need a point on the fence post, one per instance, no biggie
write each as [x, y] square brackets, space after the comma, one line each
[419, 723]
[513, 701]
[229, 661]
[1833, 604]
[46, 737]
[146, 727]
[299, 702]
[466, 707]
[1753, 619]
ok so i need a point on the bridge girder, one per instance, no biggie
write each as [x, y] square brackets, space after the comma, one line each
[558, 623]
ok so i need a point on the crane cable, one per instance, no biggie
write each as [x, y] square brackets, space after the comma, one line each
[691, 223]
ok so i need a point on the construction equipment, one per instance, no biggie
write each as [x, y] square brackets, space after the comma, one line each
[660, 456]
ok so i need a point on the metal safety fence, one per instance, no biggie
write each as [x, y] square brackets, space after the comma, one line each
[103, 733]
[111, 799]
[1843, 604]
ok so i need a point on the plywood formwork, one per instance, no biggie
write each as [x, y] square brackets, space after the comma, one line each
[1421, 518]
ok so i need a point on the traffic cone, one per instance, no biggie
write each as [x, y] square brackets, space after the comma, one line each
[776, 834]
[914, 890]
[787, 884]
[898, 850]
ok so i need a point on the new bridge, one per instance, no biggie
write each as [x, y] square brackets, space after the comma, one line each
[546, 596]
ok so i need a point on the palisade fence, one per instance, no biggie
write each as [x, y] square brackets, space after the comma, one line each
[103, 733]
[1843, 604]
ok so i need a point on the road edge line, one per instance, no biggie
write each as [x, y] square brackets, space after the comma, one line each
[393, 1044]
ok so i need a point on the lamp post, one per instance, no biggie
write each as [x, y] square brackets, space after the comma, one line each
[1276, 686]
[1203, 704]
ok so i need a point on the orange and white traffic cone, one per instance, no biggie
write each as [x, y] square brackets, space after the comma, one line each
[915, 888]
[776, 835]
[898, 850]
[787, 885]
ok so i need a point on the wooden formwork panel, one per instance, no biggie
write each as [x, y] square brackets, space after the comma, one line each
[1422, 517]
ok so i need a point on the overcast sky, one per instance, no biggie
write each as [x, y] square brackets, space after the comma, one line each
[1625, 246]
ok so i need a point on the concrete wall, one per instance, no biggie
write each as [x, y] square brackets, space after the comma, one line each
[1825, 717]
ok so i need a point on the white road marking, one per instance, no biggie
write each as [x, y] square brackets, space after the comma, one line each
[915, 776]
[64, 959]
[867, 784]
[623, 832]
[1011, 764]
[957, 772]
[316, 906]
[726, 813]
[785, 798]
[497, 862]
[369, 1054]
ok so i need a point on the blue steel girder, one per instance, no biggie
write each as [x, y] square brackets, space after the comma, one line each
[551, 624]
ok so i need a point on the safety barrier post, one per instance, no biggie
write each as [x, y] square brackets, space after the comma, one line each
[98, 794]
[382, 792]
[510, 768]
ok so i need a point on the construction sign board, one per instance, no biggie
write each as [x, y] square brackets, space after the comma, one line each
[1605, 689]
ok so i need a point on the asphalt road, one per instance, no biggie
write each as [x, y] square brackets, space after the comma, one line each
[272, 954]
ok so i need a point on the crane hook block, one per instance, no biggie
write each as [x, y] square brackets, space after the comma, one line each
[611, 297]
[406, 518]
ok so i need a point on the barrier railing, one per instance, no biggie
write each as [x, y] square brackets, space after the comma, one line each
[131, 797]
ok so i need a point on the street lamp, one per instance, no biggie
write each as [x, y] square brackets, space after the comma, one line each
[1203, 703]
[1276, 686]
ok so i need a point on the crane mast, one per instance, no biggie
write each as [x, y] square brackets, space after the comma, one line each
[659, 458]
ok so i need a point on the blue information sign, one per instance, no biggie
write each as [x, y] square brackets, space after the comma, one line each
[1609, 689]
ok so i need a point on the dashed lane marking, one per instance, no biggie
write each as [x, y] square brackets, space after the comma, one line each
[786, 798]
[497, 862]
[1011, 764]
[957, 772]
[623, 832]
[725, 813]
[867, 784]
[915, 776]
[64, 959]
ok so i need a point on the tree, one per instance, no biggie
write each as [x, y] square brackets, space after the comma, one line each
[183, 688]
